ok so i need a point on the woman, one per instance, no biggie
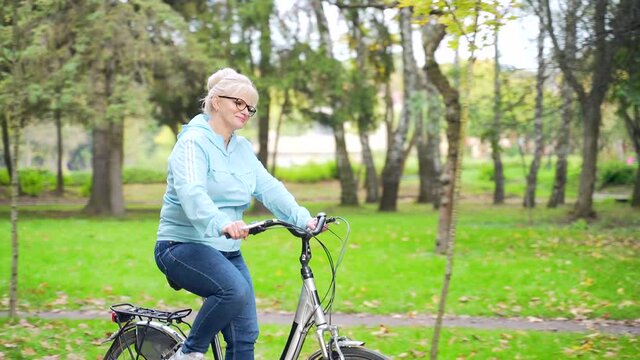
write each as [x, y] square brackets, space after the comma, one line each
[212, 176]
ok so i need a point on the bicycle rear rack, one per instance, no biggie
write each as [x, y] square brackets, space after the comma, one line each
[125, 312]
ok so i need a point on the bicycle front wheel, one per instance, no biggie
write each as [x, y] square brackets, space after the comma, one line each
[351, 353]
[129, 345]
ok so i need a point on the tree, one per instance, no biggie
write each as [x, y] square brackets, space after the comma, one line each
[564, 132]
[20, 70]
[14, 120]
[627, 82]
[495, 131]
[463, 20]
[394, 163]
[532, 177]
[118, 43]
[62, 98]
[590, 92]
[348, 184]
[363, 98]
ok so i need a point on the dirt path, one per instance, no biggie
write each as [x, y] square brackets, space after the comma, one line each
[631, 327]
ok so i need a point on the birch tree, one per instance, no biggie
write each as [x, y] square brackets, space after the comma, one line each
[532, 177]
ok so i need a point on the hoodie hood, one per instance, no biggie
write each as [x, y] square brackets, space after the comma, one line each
[200, 124]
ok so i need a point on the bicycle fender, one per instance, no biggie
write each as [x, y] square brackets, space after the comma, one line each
[117, 333]
[144, 326]
[345, 342]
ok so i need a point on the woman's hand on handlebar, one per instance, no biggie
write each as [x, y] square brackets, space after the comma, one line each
[313, 222]
[236, 230]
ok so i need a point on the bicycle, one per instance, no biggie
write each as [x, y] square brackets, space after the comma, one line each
[156, 335]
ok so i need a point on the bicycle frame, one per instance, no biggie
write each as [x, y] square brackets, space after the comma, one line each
[309, 312]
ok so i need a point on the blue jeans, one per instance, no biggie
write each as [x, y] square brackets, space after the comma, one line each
[223, 280]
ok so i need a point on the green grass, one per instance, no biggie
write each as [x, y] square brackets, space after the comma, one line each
[504, 266]
[81, 339]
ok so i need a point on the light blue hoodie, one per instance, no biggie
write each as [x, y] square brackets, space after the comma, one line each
[209, 186]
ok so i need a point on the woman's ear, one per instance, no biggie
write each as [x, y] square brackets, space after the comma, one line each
[215, 104]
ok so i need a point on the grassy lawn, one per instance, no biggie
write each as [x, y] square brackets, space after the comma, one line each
[508, 263]
[81, 339]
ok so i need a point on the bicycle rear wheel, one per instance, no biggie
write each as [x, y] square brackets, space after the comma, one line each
[130, 345]
[351, 353]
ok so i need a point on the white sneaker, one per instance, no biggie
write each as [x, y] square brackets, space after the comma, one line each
[179, 355]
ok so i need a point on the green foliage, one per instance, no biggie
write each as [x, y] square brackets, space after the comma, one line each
[33, 182]
[5, 179]
[143, 176]
[616, 173]
[486, 173]
[308, 173]
[77, 178]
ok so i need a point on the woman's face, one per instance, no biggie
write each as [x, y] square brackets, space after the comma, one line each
[234, 111]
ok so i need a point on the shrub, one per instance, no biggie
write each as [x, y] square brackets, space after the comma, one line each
[616, 173]
[4, 177]
[311, 172]
[143, 176]
[77, 178]
[487, 172]
[34, 181]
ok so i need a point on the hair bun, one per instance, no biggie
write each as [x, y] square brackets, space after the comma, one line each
[218, 76]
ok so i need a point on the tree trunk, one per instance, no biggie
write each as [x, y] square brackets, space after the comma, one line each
[15, 191]
[496, 131]
[632, 124]
[563, 148]
[370, 176]
[265, 72]
[276, 141]
[421, 149]
[388, 113]
[427, 146]
[107, 197]
[348, 184]
[6, 145]
[263, 127]
[564, 133]
[14, 120]
[635, 197]
[430, 192]
[392, 171]
[591, 132]
[532, 178]
[448, 179]
[433, 162]
[59, 176]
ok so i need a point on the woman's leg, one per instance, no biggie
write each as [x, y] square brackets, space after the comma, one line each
[206, 272]
[241, 334]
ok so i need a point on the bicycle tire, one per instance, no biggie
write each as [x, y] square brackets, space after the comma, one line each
[351, 353]
[124, 347]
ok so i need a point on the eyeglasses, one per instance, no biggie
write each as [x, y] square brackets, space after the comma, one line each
[241, 104]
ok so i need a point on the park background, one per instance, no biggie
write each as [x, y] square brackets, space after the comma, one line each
[357, 114]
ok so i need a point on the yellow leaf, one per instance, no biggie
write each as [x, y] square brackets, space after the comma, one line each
[28, 352]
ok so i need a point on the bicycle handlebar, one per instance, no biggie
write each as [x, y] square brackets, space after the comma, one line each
[260, 226]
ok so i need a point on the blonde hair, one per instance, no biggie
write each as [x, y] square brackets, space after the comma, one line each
[228, 82]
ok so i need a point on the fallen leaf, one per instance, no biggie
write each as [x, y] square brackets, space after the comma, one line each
[28, 352]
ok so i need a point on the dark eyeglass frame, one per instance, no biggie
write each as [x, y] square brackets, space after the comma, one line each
[252, 110]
